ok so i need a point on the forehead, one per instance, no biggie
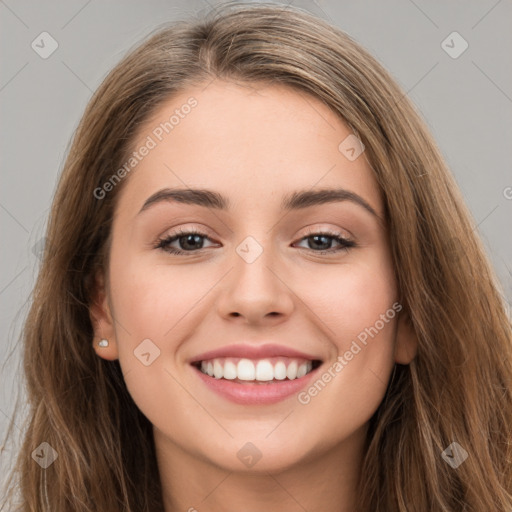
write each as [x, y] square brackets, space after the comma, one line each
[249, 142]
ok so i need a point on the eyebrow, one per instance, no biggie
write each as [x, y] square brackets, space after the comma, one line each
[295, 201]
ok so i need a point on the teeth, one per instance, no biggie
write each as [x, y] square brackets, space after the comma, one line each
[218, 369]
[230, 372]
[263, 370]
[291, 371]
[245, 370]
[303, 369]
[280, 371]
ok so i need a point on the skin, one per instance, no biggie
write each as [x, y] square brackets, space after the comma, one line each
[253, 144]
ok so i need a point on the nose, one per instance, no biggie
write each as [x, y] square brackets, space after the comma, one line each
[256, 292]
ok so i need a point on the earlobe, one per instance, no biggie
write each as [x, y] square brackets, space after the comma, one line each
[104, 341]
[406, 345]
[105, 349]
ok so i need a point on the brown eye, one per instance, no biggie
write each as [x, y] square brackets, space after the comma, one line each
[188, 242]
[323, 242]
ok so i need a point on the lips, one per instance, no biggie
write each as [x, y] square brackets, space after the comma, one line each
[254, 352]
[248, 374]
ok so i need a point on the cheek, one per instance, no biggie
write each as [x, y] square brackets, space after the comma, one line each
[156, 307]
[150, 300]
[151, 306]
[348, 298]
[358, 308]
[349, 388]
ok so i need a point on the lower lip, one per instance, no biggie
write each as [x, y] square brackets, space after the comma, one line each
[256, 394]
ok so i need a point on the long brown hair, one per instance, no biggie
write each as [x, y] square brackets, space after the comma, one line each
[457, 389]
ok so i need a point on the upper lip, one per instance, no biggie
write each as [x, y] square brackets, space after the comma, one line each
[253, 352]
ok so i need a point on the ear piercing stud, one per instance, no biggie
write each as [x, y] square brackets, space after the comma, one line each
[103, 343]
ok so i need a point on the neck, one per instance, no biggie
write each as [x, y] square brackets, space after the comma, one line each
[324, 481]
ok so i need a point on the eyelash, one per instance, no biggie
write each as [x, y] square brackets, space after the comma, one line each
[163, 243]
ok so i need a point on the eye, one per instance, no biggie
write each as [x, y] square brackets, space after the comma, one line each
[322, 242]
[190, 241]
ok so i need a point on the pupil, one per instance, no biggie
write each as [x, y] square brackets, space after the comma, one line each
[190, 239]
[326, 243]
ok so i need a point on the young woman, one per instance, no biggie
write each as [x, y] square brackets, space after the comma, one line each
[262, 289]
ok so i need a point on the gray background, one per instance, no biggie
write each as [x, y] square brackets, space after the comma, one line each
[466, 101]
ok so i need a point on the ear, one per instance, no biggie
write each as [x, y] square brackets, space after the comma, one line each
[102, 320]
[406, 345]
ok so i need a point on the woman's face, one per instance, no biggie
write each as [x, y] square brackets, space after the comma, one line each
[276, 280]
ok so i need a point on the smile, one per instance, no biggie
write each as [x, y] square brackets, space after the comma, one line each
[255, 374]
[266, 370]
